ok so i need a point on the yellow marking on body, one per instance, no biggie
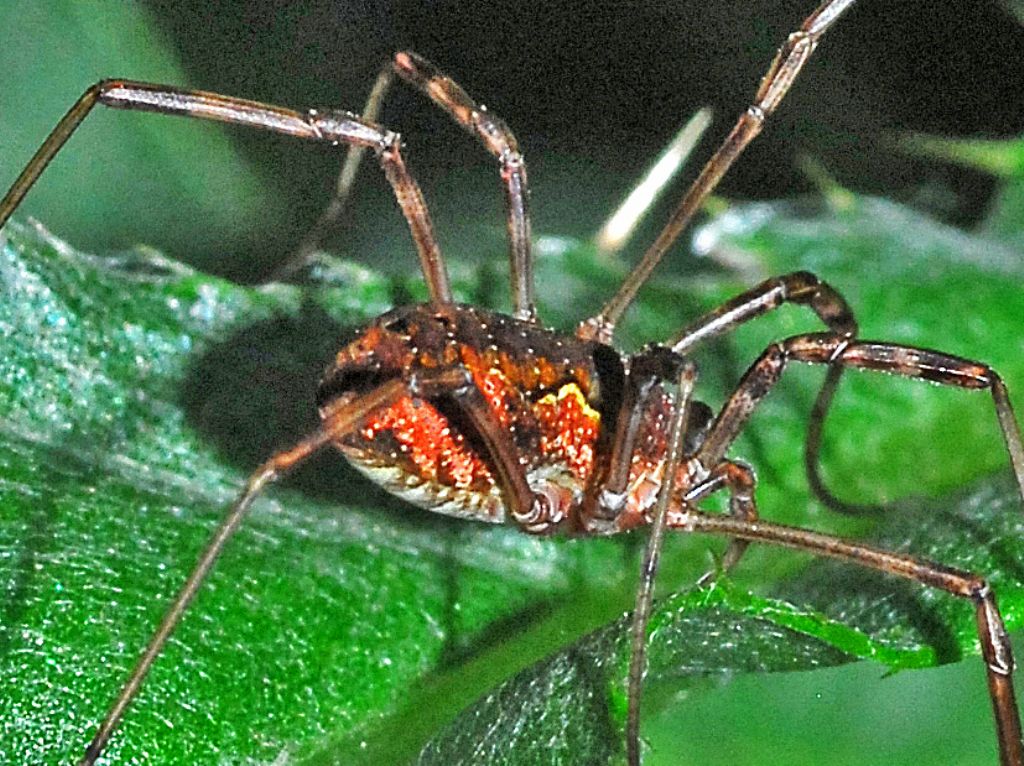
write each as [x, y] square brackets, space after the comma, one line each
[571, 390]
[569, 429]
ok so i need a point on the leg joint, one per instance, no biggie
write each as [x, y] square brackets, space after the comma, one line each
[389, 145]
[979, 589]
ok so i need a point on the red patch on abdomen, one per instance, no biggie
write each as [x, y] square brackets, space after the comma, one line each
[426, 443]
[416, 438]
[569, 429]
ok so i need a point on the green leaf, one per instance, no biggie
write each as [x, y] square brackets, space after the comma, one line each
[1016, 7]
[135, 395]
[342, 626]
[562, 709]
[558, 710]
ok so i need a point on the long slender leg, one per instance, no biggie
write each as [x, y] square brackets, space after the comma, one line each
[608, 488]
[812, 450]
[646, 368]
[800, 287]
[739, 480]
[776, 83]
[340, 422]
[906, 361]
[649, 568]
[832, 309]
[498, 139]
[530, 510]
[343, 188]
[332, 127]
[995, 645]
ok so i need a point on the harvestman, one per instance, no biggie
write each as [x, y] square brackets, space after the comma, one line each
[495, 418]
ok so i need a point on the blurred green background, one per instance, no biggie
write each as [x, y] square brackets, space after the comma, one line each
[592, 90]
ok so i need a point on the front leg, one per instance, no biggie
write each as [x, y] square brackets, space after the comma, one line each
[330, 127]
[802, 288]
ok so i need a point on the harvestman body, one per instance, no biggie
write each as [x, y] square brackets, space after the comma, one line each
[494, 418]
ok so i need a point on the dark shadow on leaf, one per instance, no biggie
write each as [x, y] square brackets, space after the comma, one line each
[461, 646]
[23, 569]
[999, 547]
[492, 730]
[894, 611]
[254, 394]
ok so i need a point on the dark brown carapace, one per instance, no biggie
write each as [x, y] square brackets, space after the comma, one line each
[495, 418]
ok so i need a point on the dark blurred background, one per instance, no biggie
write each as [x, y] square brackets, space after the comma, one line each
[592, 89]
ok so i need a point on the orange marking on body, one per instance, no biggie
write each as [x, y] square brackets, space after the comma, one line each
[563, 422]
[492, 383]
[508, 366]
[548, 373]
